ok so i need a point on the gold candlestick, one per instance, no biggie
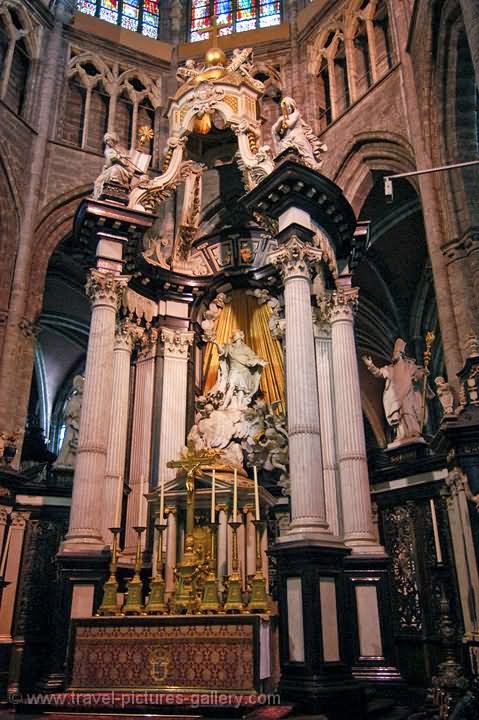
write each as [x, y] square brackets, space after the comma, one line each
[210, 602]
[429, 340]
[134, 599]
[109, 604]
[156, 604]
[258, 599]
[234, 600]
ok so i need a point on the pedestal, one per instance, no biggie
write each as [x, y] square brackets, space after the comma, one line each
[315, 631]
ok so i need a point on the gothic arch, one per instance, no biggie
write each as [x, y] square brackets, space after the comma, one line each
[367, 152]
[54, 225]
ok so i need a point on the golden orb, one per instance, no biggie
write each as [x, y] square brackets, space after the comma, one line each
[215, 56]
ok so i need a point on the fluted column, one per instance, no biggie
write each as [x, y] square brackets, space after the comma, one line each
[105, 291]
[116, 451]
[308, 512]
[351, 444]
[176, 345]
[141, 439]
[322, 336]
[170, 550]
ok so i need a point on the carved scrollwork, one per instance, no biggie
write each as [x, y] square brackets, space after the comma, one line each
[399, 532]
[343, 303]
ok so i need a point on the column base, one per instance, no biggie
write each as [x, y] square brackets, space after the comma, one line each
[369, 548]
[315, 538]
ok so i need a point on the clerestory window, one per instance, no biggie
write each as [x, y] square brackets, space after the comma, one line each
[141, 16]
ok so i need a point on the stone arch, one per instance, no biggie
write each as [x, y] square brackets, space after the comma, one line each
[55, 223]
[367, 152]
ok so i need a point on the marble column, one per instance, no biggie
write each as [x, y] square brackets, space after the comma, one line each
[140, 455]
[176, 345]
[105, 291]
[116, 451]
[308, 512]
[322, 338]
[170, 550]
[351, 444]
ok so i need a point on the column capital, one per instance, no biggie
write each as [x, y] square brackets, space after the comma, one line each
[127, 333]
[343, 303]
[176, 342]
[19, 519]
[3, 515]
[146, 339]
[295, 258]
[105, 288]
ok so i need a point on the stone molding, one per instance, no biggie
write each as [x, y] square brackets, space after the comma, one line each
[105, 288]
[296, 258]
[176, 342]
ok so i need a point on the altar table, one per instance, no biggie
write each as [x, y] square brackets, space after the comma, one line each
[191, 653]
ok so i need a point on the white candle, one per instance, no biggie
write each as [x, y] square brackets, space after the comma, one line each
[5, 552]
[256, 493]
[119, 495]
[437, 542]
[235, 495]
[213, 491]
[140, 503]
[162, 501]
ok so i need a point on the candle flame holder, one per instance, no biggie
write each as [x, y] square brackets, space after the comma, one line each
[109, 605]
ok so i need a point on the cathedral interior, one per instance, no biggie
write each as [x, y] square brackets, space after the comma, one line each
[239, 316]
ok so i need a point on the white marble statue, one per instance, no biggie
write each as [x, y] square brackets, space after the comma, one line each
[403, 395]
[445, 395]
[239, 372]
[226, 419]
[118, 167]
[68, 452]
[291, 131]
[211, 315]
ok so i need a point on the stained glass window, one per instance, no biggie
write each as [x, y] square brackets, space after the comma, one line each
[240, 15]
[141, 16]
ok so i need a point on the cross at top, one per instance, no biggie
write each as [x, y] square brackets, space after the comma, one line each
[213, 30]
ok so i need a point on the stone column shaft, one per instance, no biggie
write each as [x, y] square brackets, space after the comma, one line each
[116, 451]
[308, 513]
[327, 423]
[174, 397]
[351, 443]
[105, 290]
[141, 440]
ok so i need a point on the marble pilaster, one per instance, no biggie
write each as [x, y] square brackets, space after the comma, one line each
[105, 291]
[176, 344]
[322, 339]
[116, 451]
[351, 444]
[140, 454]
[308, 512]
